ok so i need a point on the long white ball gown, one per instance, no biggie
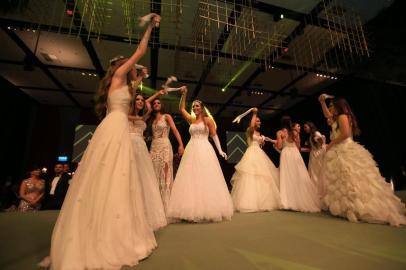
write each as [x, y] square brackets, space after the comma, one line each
[154, 209]
[200, 192]
[316, 158]
[102, 224]
[355, 188]
[255, 181]
[296, 188]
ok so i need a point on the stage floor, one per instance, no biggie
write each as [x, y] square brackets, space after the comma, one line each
[271, 240]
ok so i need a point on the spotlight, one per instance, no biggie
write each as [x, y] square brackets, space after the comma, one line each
[317, 74]
[95, 75]
[90, 74]
[282, 16]
[83, 73]
[9, 27]
[223, 89]
[33, 30]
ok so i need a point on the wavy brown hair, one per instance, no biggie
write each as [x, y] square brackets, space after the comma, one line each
[100, 98]
[341, 106]
[313, 130]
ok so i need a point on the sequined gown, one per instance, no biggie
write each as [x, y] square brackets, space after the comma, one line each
[162, 158]
[199, 191]
[146, 174]
[32, 190]
[102, 224]
[355, 188]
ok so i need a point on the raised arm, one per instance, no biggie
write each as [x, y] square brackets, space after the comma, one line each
[175, 132]
[182, 105]
[141, 49]
[326, 112]
[154, 96]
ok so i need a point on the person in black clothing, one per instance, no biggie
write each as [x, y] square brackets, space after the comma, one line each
[56, 188]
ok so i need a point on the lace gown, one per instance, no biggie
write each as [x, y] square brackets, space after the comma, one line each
[162, 158]
[102, 224]
[32, 190]
[296, 188]
[199, 191]
[255, 181]
[316, 157]
[355, 188]
[154, 209]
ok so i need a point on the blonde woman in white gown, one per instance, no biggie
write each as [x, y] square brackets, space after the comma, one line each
[256, 178]
[317, 149]
[355, 188]
[154, 209]
[297, 190]
[102, 224]
[199, 192]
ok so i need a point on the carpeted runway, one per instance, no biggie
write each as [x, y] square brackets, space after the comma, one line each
[271, 240]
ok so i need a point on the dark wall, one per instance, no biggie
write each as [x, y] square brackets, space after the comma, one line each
[17, 114]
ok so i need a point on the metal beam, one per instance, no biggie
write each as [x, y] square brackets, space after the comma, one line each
[234, 15]
[286, 87]
[38, 62]
[238, 92]
[303, 18]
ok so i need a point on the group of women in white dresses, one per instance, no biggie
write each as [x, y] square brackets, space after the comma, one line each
[342, 176]
[121, 192]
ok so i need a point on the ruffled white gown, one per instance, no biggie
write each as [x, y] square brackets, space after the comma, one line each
[154, 209]
[315, 166]
[102, 224]
[296, 188]
[200, 192]
[355, 188]
[255, 181]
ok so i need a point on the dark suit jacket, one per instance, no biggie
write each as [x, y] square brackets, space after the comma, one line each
[54, 202]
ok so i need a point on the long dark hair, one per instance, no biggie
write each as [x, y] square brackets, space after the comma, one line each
[341, 106]
[286, 122]
[100, 98]
[132, 106]
[313, 130]
[152, 118]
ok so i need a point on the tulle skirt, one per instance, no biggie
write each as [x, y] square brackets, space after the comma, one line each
[154, 209]
[297, 190]
[255, 182]
[355, 188]
[199, 191]
[315, 168]
[102, 224]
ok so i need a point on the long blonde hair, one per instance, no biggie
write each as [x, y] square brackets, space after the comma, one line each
[205, 112]
[100, 98]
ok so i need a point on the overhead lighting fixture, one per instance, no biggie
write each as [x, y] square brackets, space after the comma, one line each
[223, 89]
[282, 16]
